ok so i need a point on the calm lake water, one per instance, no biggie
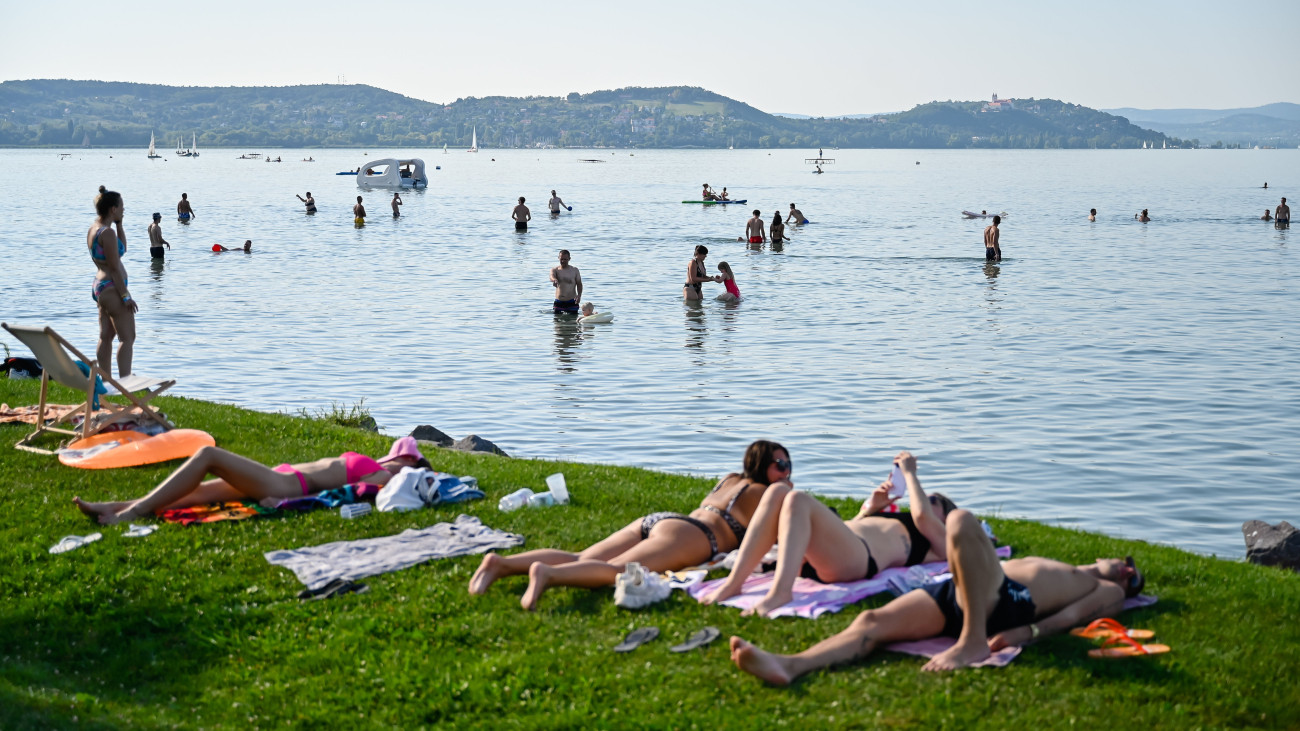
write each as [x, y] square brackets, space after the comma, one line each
[1135, 379]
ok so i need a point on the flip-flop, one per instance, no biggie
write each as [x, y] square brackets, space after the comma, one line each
[1123, 646]
[139, 531]
[335, 588]
[1106, 628]
[70, 542]
[636, 638]
[699, 639]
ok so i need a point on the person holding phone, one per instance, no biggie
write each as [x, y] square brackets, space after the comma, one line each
[815, 543]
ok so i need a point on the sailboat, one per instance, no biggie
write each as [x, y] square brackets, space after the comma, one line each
[180, 151]
[194, 145]
[153, 155]
[473, 145]
[444, 148]
[85, 141]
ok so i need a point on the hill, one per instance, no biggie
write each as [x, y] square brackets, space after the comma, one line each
[1275, 125]
[62, 113]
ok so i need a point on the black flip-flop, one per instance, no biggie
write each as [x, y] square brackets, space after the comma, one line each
[636, 638]
[699, 639]
[333, 589]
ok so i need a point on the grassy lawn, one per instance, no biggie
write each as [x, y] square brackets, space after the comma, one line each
[191, 628]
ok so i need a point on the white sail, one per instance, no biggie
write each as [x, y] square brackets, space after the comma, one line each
[194, 145]
[152, 153]
[473, 144]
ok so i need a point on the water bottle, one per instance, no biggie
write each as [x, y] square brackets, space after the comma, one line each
[541, 500]
[354, 510]
[514, 500]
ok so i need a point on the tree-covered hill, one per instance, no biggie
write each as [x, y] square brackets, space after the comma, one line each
[62, 113]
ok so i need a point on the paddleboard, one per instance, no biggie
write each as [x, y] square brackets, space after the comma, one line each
[711, 203]
[136, 449]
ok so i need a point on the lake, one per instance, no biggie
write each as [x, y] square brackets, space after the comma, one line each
[1135, 379]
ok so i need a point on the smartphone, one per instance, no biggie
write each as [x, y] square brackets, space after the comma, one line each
[898, 483]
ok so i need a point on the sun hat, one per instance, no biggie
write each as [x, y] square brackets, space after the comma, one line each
[404, 447]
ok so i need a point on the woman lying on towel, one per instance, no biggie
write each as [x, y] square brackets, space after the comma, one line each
[240, 478]
[815, 543]
[659, 541]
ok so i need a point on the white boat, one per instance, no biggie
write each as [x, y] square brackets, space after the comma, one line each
[194, 145]
[444, 148]
[153, 154]
[473, 144]
[393, 173]
[180, 151]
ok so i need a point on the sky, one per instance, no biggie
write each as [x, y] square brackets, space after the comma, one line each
[817, 58]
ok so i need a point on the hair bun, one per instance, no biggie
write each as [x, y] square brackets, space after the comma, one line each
[102, 189]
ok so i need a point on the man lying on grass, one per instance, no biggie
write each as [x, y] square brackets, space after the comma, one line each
[1004, 605]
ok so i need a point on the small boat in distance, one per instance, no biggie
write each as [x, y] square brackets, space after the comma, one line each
[153, 154]
[393, 173]
[180, 151]
[194, 145]
[473, 143]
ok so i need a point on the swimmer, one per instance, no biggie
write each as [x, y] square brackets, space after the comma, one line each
[555, 204]
[755, 231]
[184, 211]
[795, 216]
[311, 202]
[588, 310]
[1092, 214]
[397, 204]
[359, 211]
[247, 248]
[992, 241]
[1267, 216]
[589, 314]
[522, 216]
[729, 281]
[568, 285]
[157, 242]
[1265, 185]
[696, 275]
[777, 230]
[1143, 216]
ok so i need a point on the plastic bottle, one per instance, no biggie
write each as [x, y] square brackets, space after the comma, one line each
[541, 500]
[354, 510]
[514, 500]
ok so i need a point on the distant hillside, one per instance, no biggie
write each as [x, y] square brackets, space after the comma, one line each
[1279, 110]
[1276, 125]
[60, 113]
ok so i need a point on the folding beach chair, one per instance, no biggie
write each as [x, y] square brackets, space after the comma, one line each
[57, 361]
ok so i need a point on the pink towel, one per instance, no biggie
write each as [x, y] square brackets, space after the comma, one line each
[813, 599]
[936, 645]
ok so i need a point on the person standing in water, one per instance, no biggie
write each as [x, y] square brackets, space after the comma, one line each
[1092, 214]
[568, 285]
[397, 204]
[755, 233]
[107, 243]
[311, 202]
[184, 211]
[776, 230]
[1283, 214]
[521, 215]
[156, 240]
[795, 216]
[359, 213]
[696, 275]
[555, 204]
[992, 241]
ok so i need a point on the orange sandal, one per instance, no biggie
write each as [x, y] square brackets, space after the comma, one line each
[1124, 646]
[1106, 628]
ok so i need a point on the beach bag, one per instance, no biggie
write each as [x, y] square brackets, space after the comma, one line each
[403, 491]
[22, 368]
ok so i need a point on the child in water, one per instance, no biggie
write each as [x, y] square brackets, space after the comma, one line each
[248, 247]
[589, 313]
[729, 281]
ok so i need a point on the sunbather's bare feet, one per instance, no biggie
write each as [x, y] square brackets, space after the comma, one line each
[489, 569]
[759, 663]
[112, 518]
[773, 601]
[90, 510]
[726, 591]
[958, 656]
[539, 574]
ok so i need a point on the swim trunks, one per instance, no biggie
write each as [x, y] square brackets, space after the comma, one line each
[521, 225]
[1015, 607]
[359, 221]
[755, 239]
[182, 217]
[156, 252]
[990, 253]
[566, 306]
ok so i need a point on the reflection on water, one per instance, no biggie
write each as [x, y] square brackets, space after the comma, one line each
[1017, 384]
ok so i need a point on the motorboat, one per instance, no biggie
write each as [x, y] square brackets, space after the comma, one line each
[393, 173]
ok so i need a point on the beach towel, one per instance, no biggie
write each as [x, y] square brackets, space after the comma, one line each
[233, 510]
[316, 566]
[813, 599]
[31, 414]
[334, 498]
[935, 645]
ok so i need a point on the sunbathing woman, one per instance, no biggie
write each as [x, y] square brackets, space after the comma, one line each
[838, 550]
[239, 478]
[659, 541]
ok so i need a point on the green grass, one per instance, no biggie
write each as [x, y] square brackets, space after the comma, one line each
[191, 628]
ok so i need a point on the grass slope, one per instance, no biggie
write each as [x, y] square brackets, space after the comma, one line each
[191, 628]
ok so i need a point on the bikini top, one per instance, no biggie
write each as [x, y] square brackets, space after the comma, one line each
[97, 248]
[920, 544]
[737, 528]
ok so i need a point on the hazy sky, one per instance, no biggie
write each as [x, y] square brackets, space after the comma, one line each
[819, 58]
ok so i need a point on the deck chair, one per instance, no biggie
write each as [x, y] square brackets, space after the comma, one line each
[58, 362]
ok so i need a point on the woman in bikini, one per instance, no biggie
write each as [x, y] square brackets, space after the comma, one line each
[659, 541]
[107, 243]
[696, 275]
[815, 543]
[239, 478]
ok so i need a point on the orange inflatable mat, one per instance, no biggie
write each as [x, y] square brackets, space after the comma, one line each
[134, 448]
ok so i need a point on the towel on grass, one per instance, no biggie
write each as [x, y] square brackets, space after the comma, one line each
[211, 513]
[316, 566]
[813, 599]
[935, 645]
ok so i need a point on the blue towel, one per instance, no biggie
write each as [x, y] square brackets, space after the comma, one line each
[99, 385]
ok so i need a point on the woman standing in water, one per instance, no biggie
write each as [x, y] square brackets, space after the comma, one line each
[107, 243]
[777, 230]
[696, 275]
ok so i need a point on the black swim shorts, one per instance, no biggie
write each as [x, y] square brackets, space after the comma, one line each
[521, 225]
[566, 305]
[989, 253]
[156, 252]
[1015, 607]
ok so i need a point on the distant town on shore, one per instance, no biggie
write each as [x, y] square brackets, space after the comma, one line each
[66, 114]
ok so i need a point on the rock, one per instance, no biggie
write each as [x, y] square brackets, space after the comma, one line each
[1272, 545]
[368, 423]
[426, 433]
[475, 443]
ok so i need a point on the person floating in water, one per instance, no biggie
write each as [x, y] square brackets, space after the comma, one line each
[555, 204]
[311, 202]
[993, 241]
[156, 240]
[397, 205]
[247, 248]
[521, 215]
[184, 211]
[568, 285]
[1283, 214]
[1092, 214]
[359, 213]
[795, 216]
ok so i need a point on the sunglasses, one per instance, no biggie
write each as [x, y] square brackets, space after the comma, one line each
[784, 465]
[1137, 581]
